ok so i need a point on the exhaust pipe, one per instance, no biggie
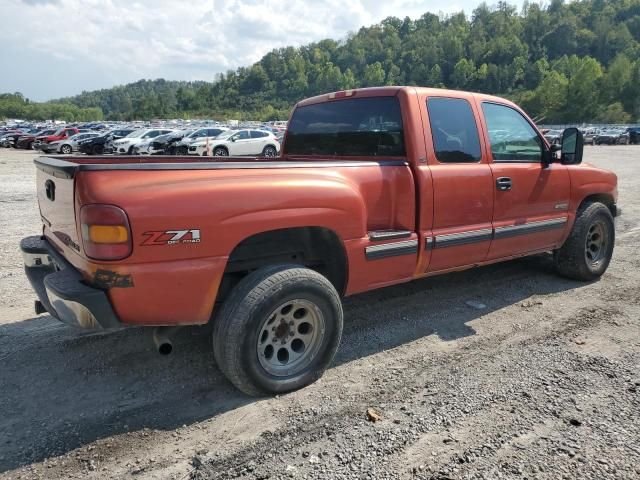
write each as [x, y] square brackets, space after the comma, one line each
[162, 340]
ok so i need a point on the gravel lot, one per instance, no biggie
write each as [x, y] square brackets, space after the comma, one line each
[542, 382]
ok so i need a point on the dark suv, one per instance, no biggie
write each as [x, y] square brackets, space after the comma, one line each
[96, 145]
[634, 135]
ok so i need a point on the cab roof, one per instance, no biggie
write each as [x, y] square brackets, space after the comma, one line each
[394, 90]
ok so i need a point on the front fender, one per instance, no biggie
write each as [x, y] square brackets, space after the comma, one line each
[588, 180]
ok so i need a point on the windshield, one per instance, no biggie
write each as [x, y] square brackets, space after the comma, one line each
[136, 133]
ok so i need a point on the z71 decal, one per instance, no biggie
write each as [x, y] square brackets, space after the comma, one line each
[172, 237]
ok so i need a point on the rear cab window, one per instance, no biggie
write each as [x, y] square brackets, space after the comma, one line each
[367, 127]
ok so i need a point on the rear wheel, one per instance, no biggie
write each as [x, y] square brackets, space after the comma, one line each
[66, 149]
[278, 330]
[220, 152]
[587, 252]
[269, 151]
[97, 149]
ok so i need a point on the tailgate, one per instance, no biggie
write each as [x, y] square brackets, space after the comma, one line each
[56, 201]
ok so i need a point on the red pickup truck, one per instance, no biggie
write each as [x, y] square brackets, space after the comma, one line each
[59, 134]
[374, 187]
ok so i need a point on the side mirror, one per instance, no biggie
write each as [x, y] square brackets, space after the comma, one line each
[572, 146]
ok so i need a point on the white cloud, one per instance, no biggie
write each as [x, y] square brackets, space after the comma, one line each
[52, 48]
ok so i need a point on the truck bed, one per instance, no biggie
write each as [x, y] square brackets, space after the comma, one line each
[67, 167]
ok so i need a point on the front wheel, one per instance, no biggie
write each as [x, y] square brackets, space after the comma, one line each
[278, 330]
[269, 151]
[220, 152]
[587, 252]
[66, 149]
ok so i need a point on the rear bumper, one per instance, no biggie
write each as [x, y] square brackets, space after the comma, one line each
[61, 289]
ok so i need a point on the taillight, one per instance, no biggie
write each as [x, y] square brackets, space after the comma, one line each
[106, 234]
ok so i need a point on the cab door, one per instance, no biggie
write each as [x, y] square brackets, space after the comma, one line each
[461, 180]
[531, 198]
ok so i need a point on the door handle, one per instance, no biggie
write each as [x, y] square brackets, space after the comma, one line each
[503, 184]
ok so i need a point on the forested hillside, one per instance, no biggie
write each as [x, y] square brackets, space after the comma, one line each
[563, 62]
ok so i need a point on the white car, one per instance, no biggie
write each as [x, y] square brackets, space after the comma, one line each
[238, 142]
[199, 134]
[126, 144]
[67, 145]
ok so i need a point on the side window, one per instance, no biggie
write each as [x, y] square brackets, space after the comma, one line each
[258, 134]
[213, 132]
[512, 137]
[242, 135]
[454, 130]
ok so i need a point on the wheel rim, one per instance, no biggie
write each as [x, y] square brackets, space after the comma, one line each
[269, 152]
[66, 149]
[596, 244]
[220, 152]
[290, 337]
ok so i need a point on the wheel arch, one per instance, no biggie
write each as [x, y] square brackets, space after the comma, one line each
[318, 248]
[605, 198]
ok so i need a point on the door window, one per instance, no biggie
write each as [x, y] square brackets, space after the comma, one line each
[454, 130]
[512, 137]
[242, 135]
[258, 134]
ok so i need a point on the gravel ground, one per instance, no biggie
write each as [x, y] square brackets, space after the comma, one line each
[535, 377]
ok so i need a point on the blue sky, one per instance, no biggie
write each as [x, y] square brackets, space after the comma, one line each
[55, 48]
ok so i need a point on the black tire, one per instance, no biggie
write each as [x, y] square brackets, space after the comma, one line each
[220, 152]
[245, 317]
[97, 149]
[130, 151]
[66, 149]
[576, 259]
[269, 151]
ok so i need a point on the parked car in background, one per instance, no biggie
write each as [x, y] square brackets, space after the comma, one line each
[553, 136]
[102, 143]
[27, 141]
[238, 142]
[67, 145]
[182, 147]
[161, 145]
[634, 135]
[589, 135]
[10, 137]
[126, 144]
[60, 134]
[612, 137]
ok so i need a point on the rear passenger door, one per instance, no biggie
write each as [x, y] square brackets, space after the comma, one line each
[461, 181]
[531, 198]
[260, 138]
